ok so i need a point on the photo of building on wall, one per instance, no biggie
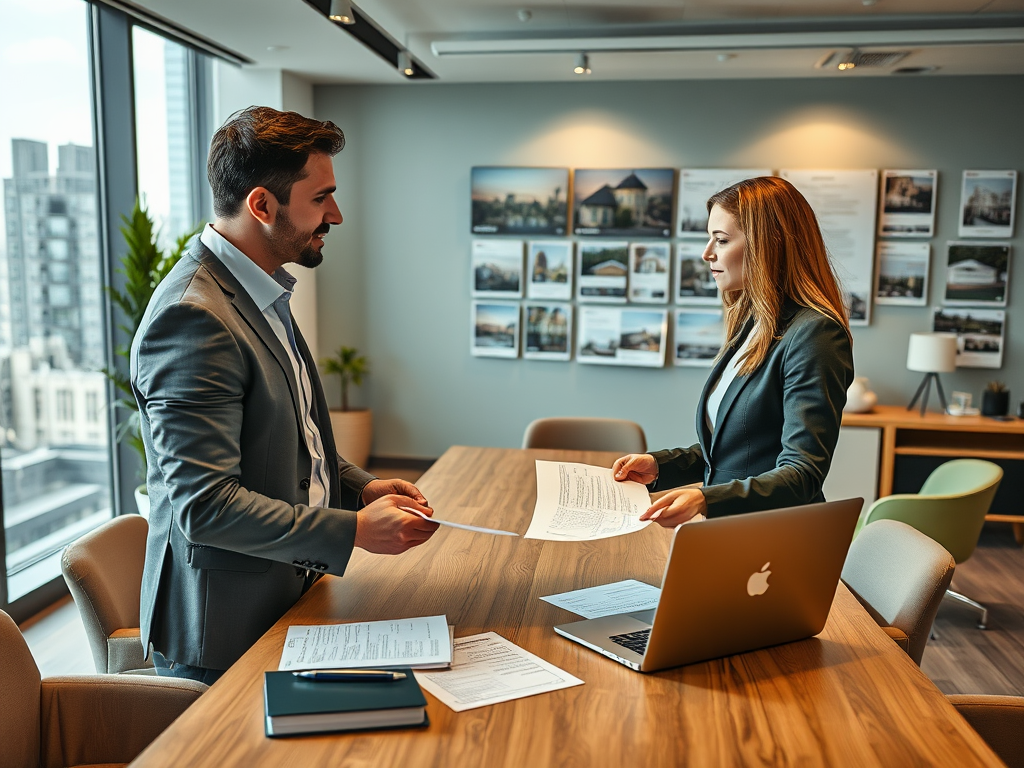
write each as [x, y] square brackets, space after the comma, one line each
[908, 204]
[623, 203]
[549, 269]
[548, 331]
[519, 201]
[603, 271]
[903, 273]
[648, 276]
[977, 273]
[498, 268]
[699, 336]
[987, 202]
[694, 283]
[980, 335]
[495, 329]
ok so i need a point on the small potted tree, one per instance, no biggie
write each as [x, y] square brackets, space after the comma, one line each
[353, 428]
[143, 265]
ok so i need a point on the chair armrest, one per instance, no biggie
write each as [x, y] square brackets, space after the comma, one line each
[899, 636]
[108, 718]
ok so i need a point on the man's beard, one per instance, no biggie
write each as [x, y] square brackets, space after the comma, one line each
[293, 246]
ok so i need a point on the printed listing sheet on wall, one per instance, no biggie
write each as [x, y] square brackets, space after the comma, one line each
[846, 204]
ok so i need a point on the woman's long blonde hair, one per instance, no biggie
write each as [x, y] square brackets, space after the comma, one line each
[784, 258]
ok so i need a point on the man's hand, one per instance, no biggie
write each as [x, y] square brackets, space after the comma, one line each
[384, 528]
[677, 506]
[376, 489]
[638, 467]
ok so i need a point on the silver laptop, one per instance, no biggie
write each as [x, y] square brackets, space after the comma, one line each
[733, 584]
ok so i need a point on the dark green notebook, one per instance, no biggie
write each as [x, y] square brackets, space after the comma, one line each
[294, 706]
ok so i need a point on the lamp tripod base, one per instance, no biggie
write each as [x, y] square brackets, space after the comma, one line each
[925, 389]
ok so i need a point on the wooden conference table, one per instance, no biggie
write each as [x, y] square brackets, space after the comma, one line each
[847, 697]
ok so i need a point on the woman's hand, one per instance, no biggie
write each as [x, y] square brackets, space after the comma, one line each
[677, 507]
[638, 467]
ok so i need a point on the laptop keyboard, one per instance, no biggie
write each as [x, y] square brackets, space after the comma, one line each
[635, 641]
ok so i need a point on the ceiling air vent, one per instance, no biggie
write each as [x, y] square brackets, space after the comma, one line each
[853, 59]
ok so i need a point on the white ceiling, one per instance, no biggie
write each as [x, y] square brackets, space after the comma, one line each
[726, 37]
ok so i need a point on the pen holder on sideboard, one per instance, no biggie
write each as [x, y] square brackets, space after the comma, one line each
[995, 402]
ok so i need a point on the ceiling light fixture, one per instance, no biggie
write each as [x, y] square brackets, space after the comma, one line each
[405, 64]
[849, 61]
[582, 64]
[341, 11]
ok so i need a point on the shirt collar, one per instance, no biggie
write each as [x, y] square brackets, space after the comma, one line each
[262, 288]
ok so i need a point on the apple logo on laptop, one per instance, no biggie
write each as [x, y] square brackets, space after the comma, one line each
[757, 584]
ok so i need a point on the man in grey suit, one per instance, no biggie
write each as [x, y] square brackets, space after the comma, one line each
[249, 499]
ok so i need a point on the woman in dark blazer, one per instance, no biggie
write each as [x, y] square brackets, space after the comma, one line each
[768, 418]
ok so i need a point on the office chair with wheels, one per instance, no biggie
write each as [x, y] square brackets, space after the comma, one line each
[586, 434]
[79, 720]
[950, 508]
[103, 570]
[999, 720]
[899, 575]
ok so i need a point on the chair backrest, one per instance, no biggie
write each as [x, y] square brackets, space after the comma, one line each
[950, 507]
[900, 576]
[19, 700]
[586, 434]
[103, 570]
[999, 720]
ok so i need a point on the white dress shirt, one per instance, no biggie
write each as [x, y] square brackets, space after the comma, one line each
[271, 294]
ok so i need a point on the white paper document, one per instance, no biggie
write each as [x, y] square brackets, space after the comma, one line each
[579, 502]
[373, 644]
[608, 599]
[461, 526]
[488, 669]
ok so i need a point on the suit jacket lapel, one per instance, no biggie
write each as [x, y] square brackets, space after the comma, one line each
[247, 308]
[735, 386]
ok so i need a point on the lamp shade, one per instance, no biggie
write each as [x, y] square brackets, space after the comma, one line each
[932, 352]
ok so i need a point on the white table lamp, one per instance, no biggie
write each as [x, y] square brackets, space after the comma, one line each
[931, 353]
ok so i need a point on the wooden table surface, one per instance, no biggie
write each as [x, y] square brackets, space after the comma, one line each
[847, 697]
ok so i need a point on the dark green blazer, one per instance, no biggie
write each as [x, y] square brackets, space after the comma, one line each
[777, 428]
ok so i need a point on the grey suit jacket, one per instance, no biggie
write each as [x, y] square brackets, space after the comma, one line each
[777, 428]
[232, 536]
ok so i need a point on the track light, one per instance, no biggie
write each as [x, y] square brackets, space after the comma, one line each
[341, 10]
[849, 61]
[405, 64]
[582, 64]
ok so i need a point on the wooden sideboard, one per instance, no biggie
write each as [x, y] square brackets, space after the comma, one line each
[907, 433]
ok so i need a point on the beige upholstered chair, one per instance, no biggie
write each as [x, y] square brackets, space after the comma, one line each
[79, 720]
[103, 570]
[584, 434]
[900, 576]
[999, 720]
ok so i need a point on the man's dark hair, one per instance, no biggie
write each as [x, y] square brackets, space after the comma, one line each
[261, 147]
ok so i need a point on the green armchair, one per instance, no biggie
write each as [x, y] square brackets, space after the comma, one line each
[950, 508]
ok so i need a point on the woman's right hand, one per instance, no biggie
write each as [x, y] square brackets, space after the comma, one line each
[638, 467]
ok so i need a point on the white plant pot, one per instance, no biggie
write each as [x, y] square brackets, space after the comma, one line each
[142, 501]
[353, 435]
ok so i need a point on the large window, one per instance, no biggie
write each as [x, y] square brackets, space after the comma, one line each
[55, 462]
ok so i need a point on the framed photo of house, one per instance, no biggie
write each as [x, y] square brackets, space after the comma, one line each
[603, 271]
[981, 335]
[699, 336]
[902, 273]
[649, 272]
[908, 204]
[987, 202]
[694, 283]
[495, 329]
[497, 268]
[622, 336]
[549, 269]
[623, 202]
[696, 185]
[519, 201]
[977, 274]
[548, 330]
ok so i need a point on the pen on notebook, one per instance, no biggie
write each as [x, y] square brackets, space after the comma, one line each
[351, 675]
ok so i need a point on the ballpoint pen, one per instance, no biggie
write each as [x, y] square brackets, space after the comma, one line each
[351, 675]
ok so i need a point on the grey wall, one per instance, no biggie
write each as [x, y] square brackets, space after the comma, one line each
[396, 279]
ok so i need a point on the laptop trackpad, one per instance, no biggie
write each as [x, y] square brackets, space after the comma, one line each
[647, 617]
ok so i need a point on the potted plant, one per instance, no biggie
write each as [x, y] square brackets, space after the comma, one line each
[995, 400]
[143, 265]
[353, 428]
